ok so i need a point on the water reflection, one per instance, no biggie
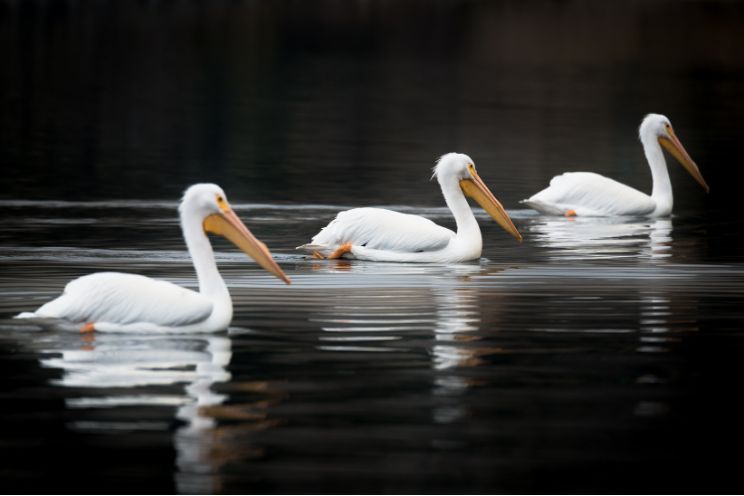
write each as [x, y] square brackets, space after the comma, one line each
[660, 239]
[654, 337]
[372, 319]
[457, 323]
[399, 300]
[116, 374]
[655, 313]
[418, 303]
[582, 238]
[193, 441]
[457, 318]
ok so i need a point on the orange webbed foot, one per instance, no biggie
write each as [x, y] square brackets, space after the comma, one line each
[570, 213]
[340, 251]
[88, 327]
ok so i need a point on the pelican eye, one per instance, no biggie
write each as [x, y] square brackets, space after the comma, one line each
[222, 203]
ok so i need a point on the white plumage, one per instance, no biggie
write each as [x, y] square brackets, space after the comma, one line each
[113, 301]
[378, 234]
[125, 299]
[381, 229]
[587, 193]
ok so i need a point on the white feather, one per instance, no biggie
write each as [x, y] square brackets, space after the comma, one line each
[381, 229]
[588, 193]
[114, 297]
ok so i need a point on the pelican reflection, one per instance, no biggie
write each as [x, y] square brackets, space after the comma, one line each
[457, 322]
[581, 238]
[412, 309]
[457, 319]
[121, 372]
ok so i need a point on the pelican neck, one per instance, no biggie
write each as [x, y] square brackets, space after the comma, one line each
[662, 186]
[467, 225]
[202, 255]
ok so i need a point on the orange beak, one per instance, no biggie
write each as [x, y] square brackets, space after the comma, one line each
[228, 224]
[475, 188]
[673, 146]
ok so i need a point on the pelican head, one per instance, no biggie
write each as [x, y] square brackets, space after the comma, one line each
[460, 169]
[657, 126]
[209, 203]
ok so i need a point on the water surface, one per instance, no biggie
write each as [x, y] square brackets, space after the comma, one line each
[599, 352]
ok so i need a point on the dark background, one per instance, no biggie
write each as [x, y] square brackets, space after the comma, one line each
[350, 102]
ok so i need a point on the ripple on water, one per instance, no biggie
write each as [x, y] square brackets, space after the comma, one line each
[358, 360]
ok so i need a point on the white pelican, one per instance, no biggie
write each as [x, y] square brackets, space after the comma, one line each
[587, 193]
[117, 302]
[383, 235]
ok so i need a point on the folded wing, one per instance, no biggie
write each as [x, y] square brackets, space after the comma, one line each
[126, 299]
[381, 229]
[588, 193]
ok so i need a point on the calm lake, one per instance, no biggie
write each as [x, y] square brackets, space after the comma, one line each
[599, 355]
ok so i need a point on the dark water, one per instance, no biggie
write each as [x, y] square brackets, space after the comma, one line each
[600, 355]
